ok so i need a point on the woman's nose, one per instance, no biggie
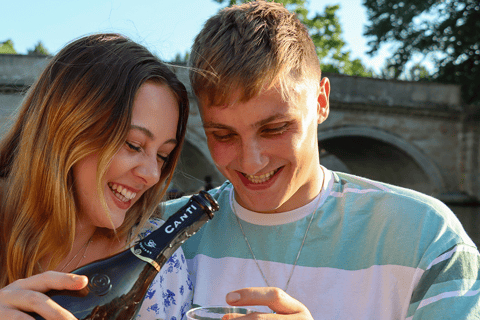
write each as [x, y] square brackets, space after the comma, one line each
[149, 170]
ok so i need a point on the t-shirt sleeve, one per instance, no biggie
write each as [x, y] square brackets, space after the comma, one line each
[449, 288]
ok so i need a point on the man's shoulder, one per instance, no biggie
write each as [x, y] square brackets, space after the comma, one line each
[386, 202]
[348, 185]
[400, 208]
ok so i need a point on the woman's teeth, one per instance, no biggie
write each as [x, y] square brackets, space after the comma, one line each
[261, 178]
[121, 193]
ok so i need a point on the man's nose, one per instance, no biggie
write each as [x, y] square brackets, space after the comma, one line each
[253, 158]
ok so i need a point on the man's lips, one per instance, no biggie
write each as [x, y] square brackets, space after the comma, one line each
[259, 181]
[260, 178]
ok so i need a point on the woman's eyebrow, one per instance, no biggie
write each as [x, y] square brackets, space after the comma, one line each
[150, 135]
[147, 132]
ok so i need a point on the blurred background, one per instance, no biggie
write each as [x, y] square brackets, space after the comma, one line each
[405, 74]
[166, 27]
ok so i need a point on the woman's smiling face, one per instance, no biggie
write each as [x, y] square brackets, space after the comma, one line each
[137, 166]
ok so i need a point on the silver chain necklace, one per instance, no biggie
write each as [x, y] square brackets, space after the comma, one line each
[85, 246]
[301, 246]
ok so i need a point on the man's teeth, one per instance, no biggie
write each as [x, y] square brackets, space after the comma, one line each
[261, 178]
[121, 193]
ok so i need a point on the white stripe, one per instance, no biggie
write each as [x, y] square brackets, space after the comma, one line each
[445, 295]
[377, 292]
[449, 254]
[378, 185]
[351, 190]
[442, 257]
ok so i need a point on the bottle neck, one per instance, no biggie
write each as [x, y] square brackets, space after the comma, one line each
[175, 231]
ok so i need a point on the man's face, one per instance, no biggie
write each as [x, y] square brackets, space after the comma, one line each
[268, 147]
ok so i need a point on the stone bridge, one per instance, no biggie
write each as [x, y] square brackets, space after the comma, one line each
[416, 135]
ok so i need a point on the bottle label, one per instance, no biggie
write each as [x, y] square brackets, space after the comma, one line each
[138, 254]
[172, 233]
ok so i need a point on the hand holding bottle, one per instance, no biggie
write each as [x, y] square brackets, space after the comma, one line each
[27, 295]
[118, 284]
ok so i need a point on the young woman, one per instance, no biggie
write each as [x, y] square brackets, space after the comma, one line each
[83, 170]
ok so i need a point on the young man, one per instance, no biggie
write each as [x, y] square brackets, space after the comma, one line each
[292, 235]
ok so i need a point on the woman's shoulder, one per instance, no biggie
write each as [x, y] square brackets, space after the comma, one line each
[151, 225]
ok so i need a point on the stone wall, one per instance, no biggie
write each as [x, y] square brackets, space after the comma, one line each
[418, 135]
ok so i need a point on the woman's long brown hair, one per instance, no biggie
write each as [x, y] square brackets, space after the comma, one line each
[81, 104]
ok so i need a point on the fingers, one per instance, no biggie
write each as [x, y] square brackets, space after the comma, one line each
[15, 303]
[52, 280]
[27, 295]
[231, 316]
[274, 298]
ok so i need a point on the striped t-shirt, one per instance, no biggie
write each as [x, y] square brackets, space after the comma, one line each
[373, 251]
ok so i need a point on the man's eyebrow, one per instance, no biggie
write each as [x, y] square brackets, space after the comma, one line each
[278, 116]
[214, 125]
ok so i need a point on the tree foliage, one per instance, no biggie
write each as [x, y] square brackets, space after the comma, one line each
[39, 49]
[7, 47]
[181, 59]
[444, 30]
[326, 34]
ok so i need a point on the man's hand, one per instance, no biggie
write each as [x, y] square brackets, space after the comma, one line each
[276, 299]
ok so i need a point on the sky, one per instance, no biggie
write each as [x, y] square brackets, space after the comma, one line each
[164, 27]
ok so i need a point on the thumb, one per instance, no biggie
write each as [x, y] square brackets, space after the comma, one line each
[274, 298]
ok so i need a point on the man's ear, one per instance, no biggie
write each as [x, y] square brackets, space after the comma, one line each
[323, 105]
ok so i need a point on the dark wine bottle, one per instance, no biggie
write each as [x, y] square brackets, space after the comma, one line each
[118, 284]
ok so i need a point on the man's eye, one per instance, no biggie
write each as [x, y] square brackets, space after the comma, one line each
[223, 137]
[133, 147]
[276, 130]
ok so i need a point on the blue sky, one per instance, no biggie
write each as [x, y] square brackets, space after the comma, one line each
[165, 27]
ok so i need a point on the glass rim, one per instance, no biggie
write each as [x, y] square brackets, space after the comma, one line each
[231, 308]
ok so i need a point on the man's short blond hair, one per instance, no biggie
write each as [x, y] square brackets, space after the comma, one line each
[252, 47]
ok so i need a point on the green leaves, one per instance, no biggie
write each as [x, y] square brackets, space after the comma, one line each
[39, 49]
[7, 47]
[326, 33]
[444, 30]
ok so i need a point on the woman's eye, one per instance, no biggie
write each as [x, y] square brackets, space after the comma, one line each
[163, 158]
[133, 147]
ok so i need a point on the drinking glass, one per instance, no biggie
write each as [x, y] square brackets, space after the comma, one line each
[217, 313]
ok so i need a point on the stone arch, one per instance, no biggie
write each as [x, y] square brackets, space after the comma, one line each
[408, 166]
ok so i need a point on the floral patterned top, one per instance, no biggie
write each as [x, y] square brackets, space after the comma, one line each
[170, 294]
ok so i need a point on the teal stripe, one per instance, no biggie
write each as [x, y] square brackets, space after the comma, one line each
[366, 235]
[461, 265]
[463, 300]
